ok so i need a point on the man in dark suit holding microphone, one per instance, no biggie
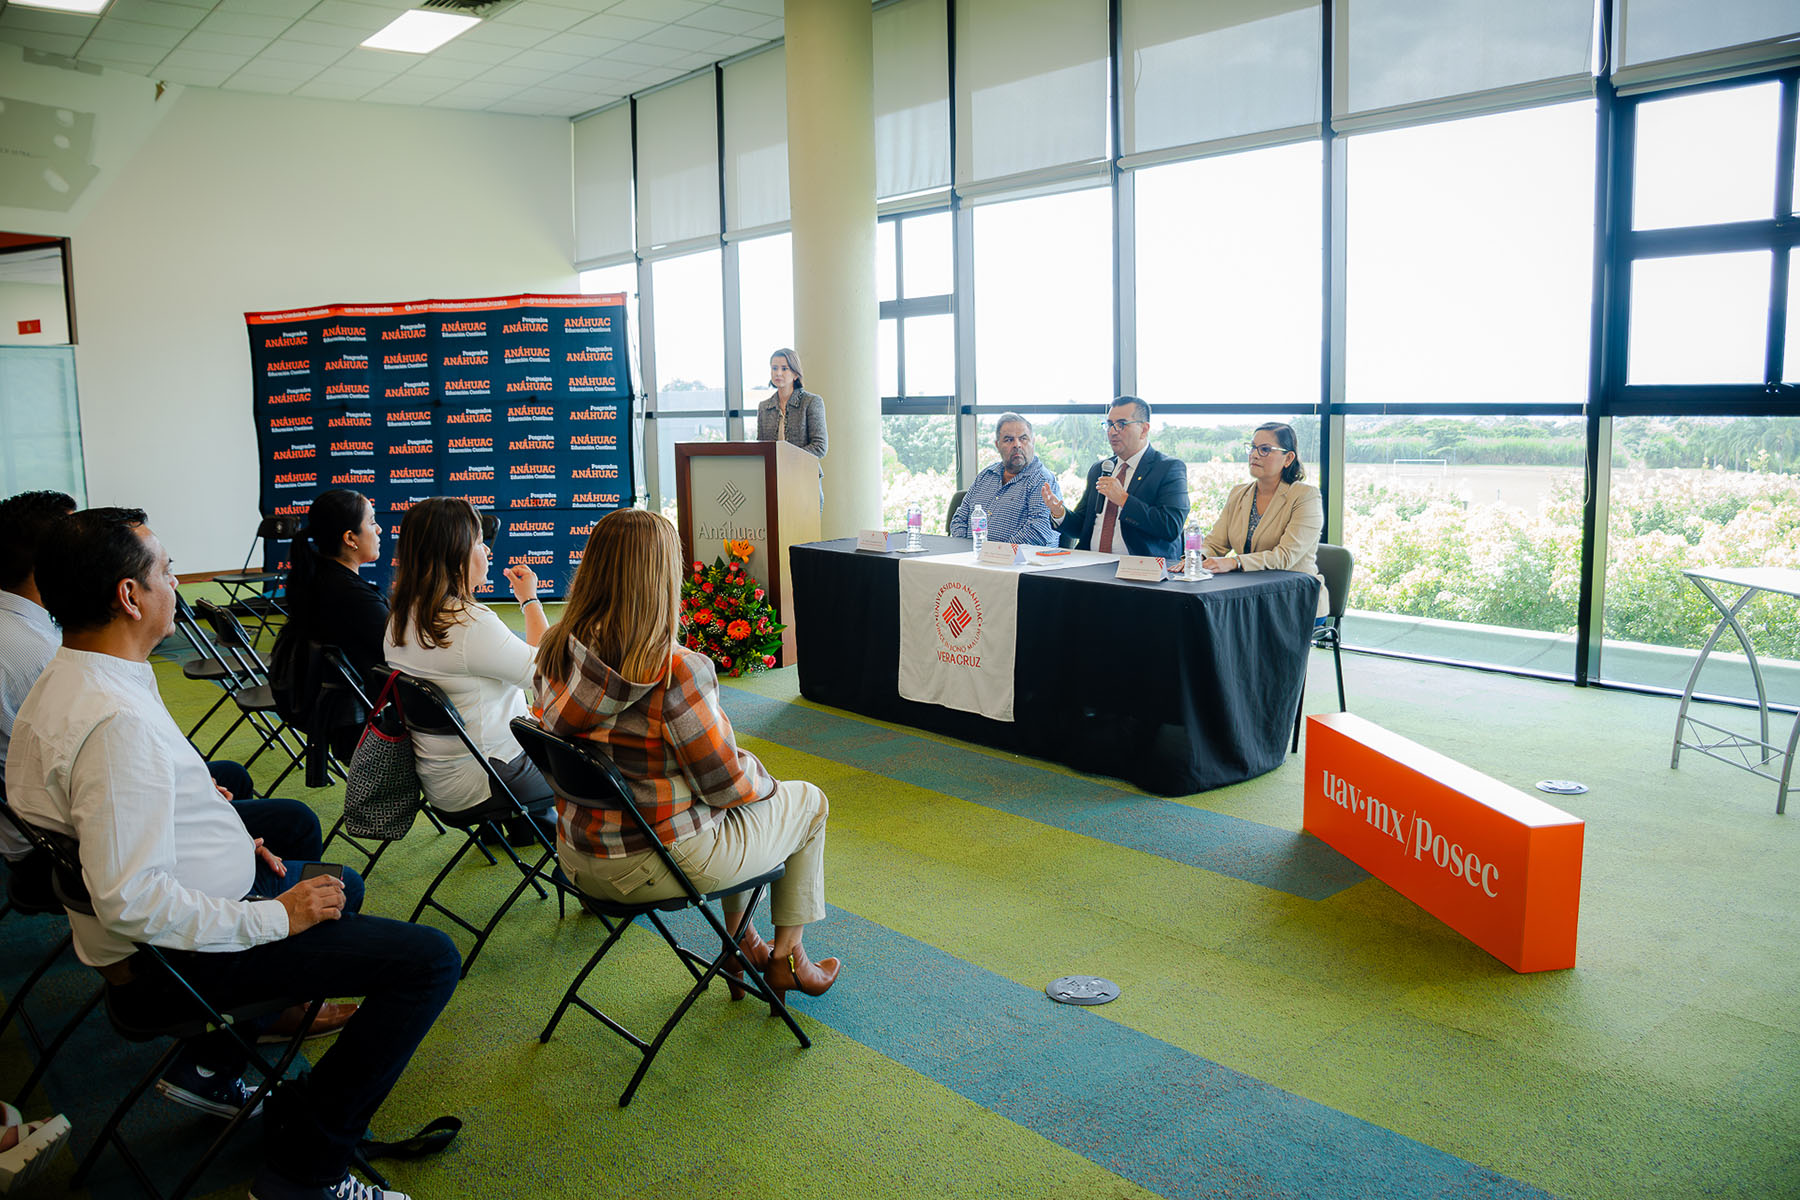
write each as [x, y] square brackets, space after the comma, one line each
[1136, 501]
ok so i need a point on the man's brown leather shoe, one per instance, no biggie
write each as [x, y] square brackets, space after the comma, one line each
[331, 1018]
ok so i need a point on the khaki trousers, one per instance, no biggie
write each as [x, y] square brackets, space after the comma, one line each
[742, 843]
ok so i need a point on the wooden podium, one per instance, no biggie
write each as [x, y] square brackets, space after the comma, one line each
[765, 493]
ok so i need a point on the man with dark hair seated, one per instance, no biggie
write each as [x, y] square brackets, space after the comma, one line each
[169, 862]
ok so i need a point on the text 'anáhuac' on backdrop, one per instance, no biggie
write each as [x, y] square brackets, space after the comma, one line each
[520, 404]
[1498, 866]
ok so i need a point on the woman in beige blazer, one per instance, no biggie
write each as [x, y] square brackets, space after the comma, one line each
[1273, 522]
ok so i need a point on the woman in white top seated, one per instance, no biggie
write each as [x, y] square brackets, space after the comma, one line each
[439, 631]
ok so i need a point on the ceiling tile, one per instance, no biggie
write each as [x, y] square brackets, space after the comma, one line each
[119, 54]
[474, 95]
[516, 77]
[657, 10]
[289, 50]
[320, 89]
[192, 76]
[319, 33]
[579, 44]
[721, 19]
[37, 20]
[408, 91]
[281, 68]
[649, 77]
[352, 78]
[519, 37]
[204, 60]
[589, 76]
[768, 32]
[548, 17]
[137, 33]
[153, 12]
[291, 9]
[224, 43]
[768, 8]
[680, 37]
[65, 44]
[545, 63]
[638, 56]
[737, 45]
[608, 25]
[384, 63]
[485, 53]
[518, 108]
[448, 69]
[693, 62]
[244, 24]
[267, 84]
[366, 17]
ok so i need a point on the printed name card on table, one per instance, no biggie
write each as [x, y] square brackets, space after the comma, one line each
[1140, 566]
[872, 539]
[1001, 554]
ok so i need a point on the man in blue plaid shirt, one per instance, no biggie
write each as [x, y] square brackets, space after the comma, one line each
[1011, 490]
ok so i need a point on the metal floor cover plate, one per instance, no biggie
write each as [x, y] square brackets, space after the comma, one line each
[1082, 989]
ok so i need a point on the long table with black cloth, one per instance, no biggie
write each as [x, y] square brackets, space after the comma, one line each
[1176, 687]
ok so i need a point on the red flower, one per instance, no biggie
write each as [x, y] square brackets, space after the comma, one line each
[707, 588]
[725, 662]
[703, 617]
[759, 593]
[768, 660]
[762, 625]
[738, 630]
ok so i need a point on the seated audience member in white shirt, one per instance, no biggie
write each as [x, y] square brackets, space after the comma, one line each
[440, 632]
[168, 862]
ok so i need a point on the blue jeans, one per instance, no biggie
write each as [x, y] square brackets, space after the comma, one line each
[404, 974]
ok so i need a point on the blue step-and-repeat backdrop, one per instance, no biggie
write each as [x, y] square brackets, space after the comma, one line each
[521, 404]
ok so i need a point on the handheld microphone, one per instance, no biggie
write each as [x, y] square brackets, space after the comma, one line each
[1110, 465]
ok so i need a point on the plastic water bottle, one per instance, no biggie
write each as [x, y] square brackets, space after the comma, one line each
[915, 524]
[1190, 563]
[978, 528]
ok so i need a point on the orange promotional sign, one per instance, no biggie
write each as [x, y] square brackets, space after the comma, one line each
[1500, 867]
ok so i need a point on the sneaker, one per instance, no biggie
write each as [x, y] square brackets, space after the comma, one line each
[270, 1186]
[38, 1143]
[193, 1085]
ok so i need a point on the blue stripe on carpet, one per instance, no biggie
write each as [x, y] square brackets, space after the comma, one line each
[1168, 1120]
[1273, 858]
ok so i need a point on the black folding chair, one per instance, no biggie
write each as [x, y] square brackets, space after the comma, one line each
[583, 775]
[253, 593]
[30, 893]
[1335, 564]
[337, 677]
[428, 711]
[207, 666]
[248, 685]
[198, 1017]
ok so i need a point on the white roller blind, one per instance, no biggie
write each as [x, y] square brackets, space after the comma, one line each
[603, 185]
[678, 164]
[1399, 60]
[1031, 87]
[912, 98]
[1659, 40]
[756, 161]
[1226, 72]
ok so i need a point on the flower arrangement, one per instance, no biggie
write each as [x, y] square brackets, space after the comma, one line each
[726, 616]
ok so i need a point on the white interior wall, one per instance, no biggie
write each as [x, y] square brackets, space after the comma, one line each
[238, 203]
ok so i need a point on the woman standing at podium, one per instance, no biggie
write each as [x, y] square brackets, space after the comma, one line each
[792, 414]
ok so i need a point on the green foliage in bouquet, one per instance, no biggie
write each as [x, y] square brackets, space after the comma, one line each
[726, 615]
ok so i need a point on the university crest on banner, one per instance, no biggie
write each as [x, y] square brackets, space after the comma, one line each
[958, 635]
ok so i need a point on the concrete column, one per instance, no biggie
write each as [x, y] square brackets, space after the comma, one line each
[831, 182]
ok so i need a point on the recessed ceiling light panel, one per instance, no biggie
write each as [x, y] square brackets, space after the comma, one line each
[87, 8]
[418, 32]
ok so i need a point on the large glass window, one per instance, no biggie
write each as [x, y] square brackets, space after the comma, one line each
[1706, 157]
[765, 310]
[918, 466]
[1228, 254]
[1467, 537]
[916, 365]
[40, 427]
[1699, 319]
[690, 333]
[1043, 301]
[1470, 259]
[1695, 493]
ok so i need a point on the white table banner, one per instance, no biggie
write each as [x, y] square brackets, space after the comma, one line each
[959, 633]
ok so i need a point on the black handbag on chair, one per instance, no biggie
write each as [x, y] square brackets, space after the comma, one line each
[383, 795]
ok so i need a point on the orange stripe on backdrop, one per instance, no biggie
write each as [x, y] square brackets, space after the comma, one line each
[525, 299]
[1498, 866]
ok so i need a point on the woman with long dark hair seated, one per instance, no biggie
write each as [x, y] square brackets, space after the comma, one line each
[611, 670]
[329, 604]
[440, 632]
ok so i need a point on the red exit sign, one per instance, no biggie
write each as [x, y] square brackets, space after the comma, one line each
[31, 326]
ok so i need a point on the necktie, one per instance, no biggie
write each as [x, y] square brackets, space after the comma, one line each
[1111, 520]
